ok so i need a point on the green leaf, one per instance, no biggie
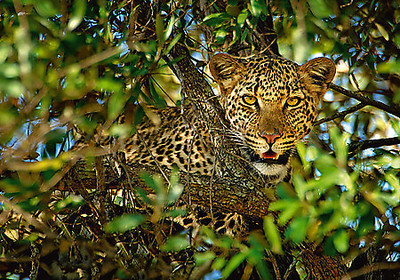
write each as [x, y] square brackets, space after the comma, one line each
[53, 138]
[170, 27]
[300, 186]
[203, 257]
[321, 8]
[219, 263]
[108, 84]
[71, 202]
[5, 51]
[233, 263]
[13, 88]
[272, 234]
[172, 43]
[31, 205]
[383, 31]
[156, 97]
[288, 207]
[233, 2]
[325, 163]
[339, 142]
[155, 184]
[216, 19]
[341, 241]
[370, 61]
[262, 269]
[244, 35]
[78, 12]
[176, 243]
[175, 190]
[46, 8]
[144, 196]
[258, 7]
[297, 229]
[390, 66]
[159, 28]
[124, 223]
[9, 70]
[220, 34]
[115, 104]
[329, 247]
[301, 149]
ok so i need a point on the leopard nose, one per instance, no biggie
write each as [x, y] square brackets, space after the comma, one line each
[270, 137]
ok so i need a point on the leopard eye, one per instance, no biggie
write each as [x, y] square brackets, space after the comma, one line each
[293, 101]
[249, 99]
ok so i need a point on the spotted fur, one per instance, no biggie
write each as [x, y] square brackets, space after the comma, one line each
[286, 100]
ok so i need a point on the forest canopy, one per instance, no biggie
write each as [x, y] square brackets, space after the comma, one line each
[74, 67]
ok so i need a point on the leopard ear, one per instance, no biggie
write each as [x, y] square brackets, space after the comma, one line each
[226, 70]
[318, 73]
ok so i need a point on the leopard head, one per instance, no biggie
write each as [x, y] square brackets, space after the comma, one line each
[271, 103]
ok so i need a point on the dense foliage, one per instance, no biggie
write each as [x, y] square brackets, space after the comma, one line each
[69, 66]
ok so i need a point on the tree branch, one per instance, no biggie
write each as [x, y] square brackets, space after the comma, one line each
[229, 194]
[365, 100]
[371, 268]
[363, 145]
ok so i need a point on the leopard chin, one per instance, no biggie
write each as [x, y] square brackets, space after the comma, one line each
[276, 172]
[270, 164]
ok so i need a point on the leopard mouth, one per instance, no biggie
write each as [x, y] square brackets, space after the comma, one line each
[270, 155]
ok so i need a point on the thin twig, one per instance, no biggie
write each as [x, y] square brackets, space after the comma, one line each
[341, 114]
[365, 100]
[293, 265]
[96, 58]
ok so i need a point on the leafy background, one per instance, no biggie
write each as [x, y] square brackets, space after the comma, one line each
[77, 65]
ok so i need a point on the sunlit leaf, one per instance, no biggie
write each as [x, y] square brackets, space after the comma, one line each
[242, 17]
[301, 149]
[258, 6]
[383, 31]
[124, 223]
[9, 70]
[297, 229]
[216, 19]
[203, 257]
[263, 270]
[272, 234]
[169, 28]
[233, 263]
[5, 50]
[288, 209]
[71, 202]
[341, 241]
[390, 66]
[115, 104]
[46, 8]
[173, 43]
[176, 243]
[78, 12]
[175, 189]
[219, 263]
[321, 8]
[159, 28]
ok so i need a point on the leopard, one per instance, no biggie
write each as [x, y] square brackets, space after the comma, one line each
[270, 103]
